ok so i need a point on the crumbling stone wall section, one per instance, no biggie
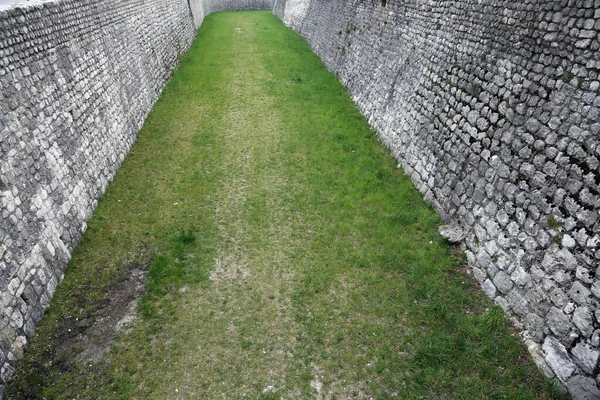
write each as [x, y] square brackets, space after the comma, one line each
[493, 109]
[77, 80]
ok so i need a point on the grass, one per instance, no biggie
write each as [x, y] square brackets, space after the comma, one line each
[290, 258]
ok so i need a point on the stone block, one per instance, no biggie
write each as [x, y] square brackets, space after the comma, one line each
[520, 276]
[582, 319]
[586, 357]
[583, 388]
[558, 322]
[503, 282]
[580, 294]
[489, 288]
[557, 358]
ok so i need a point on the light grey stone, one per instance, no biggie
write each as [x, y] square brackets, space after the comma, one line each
[489, 288]
[517, 303]
[561, 259]
[535, 326]
[569, 307]
[595, 289]
[558, 322]
[584, 274]
[532, 125]
[582, 318]
[479, 275]
[580, 293]
[557, 358]
[501, 301]
[502, 282]
[562, 277]
[586, 357]
[583, 388]
[520, 276]
[567, 240]
[452, 233]
[559, 297]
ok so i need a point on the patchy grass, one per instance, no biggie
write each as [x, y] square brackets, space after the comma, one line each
[290, 258]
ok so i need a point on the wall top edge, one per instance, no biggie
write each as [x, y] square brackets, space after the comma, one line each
[6, 6]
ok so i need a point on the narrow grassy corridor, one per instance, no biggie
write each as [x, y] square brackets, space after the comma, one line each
[287, 255]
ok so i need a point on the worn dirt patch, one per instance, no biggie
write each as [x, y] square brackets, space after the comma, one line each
[87, 339]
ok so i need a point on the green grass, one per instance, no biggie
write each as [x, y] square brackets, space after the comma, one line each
[290, 258]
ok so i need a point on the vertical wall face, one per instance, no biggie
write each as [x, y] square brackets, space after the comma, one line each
[211, 6]
[200, 8]
[493, 109]
[77, 80]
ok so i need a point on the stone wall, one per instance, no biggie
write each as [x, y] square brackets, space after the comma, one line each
[493, 109]
[211, 6]
[77, 80]
[200, 8]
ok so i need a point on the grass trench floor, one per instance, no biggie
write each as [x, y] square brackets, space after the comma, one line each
[288, 256]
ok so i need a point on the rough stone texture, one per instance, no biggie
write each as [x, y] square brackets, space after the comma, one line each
[493, 109]
[583, 388]
[558, 359]
[586, 357]
[452, 233]
[77, 79]
[211, 6]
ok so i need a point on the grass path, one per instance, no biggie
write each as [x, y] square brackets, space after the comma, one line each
[288, 256]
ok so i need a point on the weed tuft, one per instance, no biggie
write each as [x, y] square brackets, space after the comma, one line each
[553, 223]
[494, 320]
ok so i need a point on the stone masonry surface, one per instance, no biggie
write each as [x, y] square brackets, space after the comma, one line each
[77, 80]
[493, 109]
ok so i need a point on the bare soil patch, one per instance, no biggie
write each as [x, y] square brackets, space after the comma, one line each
[87, 338]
